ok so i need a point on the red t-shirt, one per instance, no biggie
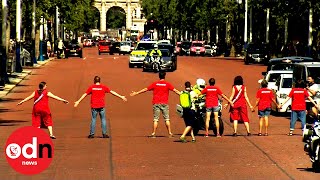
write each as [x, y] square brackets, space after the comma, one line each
[160, 91]
[97, 95]
[266, 97]
[212, 93]
[298, 96]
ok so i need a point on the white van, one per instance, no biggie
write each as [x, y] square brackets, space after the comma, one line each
[272, 76]
[284, 86]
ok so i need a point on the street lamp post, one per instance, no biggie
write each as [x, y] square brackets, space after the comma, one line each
[18, 36]
[245, 23]
[3, 66]
[41, 58]
[33, 34]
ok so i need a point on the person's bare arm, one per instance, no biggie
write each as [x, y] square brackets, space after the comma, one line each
[118, 95]
[257, 102]
[231, 97]
[285, 101]
[57, 98]
[247, 98]
[139, 92]
[226, 98]
[79, 100]
[311, 91]
[27, 98]
[176, 91]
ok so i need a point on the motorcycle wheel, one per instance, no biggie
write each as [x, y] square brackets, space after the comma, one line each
[221, 127]
[316, 164]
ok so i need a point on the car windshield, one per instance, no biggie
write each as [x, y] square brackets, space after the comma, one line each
[197, 44]
[145, 46]
[282, 67]
[125, 44]
[207, 47]
[273, 77]
[104, 43]
[163, 47]
[165, 53]
[314, 72]
[287, 83]
[186, 45]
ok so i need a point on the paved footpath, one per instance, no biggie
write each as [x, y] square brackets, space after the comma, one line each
[129, 154]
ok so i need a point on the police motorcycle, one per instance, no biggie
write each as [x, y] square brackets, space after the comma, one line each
[311, 138]
[156, 62]
[200, 112]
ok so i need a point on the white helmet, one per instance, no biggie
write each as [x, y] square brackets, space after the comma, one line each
[155, 46]
[201, 83]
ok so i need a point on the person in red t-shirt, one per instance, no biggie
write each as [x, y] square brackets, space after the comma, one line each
[264, 99]
[97, 92]
[212, 93]
[298, 105]
[160, 90]
[41, 114]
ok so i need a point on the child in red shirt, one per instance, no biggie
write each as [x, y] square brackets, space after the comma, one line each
[41, 113]
[298, 105]
[212, 104]
[264, 99]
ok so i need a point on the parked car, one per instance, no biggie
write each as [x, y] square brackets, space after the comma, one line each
[197, 48]
[208, 50]
[178, 47]
[73, 49]
[283, 88]
[125, 47]
[168, 61]
[257, 53]
[185, 48]
[115, 48]
[104, 47]
[87, 43]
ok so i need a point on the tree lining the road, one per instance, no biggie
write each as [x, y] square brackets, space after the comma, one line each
[196, 16]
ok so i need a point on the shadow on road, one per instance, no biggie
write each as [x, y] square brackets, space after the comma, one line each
[308, 170]
[9, 99]
[10, 122]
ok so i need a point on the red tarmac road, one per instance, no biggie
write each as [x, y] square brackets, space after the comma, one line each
[129, 154]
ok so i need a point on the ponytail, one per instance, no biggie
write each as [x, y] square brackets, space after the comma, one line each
[41, 87]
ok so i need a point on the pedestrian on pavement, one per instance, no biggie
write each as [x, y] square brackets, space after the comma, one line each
[160, 90]
[298, 105]
[239, 112]
[212, 93]
[97, 92]
[41, 114]
[189, 113]
[264, 99]
[60, 48]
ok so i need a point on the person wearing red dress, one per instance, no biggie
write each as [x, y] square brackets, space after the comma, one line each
[239, 110]
[41, 114]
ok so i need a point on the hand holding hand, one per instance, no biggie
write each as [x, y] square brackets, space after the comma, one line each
[19, 103]
[124, 98]
[279, 106]
[133, 93]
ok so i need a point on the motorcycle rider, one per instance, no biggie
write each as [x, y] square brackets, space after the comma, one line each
[156, 51]
[200, 85]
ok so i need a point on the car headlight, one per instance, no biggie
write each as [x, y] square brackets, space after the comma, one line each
[266, 56]
[283, 96]
[250, 55]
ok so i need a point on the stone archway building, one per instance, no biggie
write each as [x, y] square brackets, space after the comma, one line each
[132, 8]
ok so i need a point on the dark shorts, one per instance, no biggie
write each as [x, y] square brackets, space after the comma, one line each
[189, 116]
[264, 113]
[213, 109]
